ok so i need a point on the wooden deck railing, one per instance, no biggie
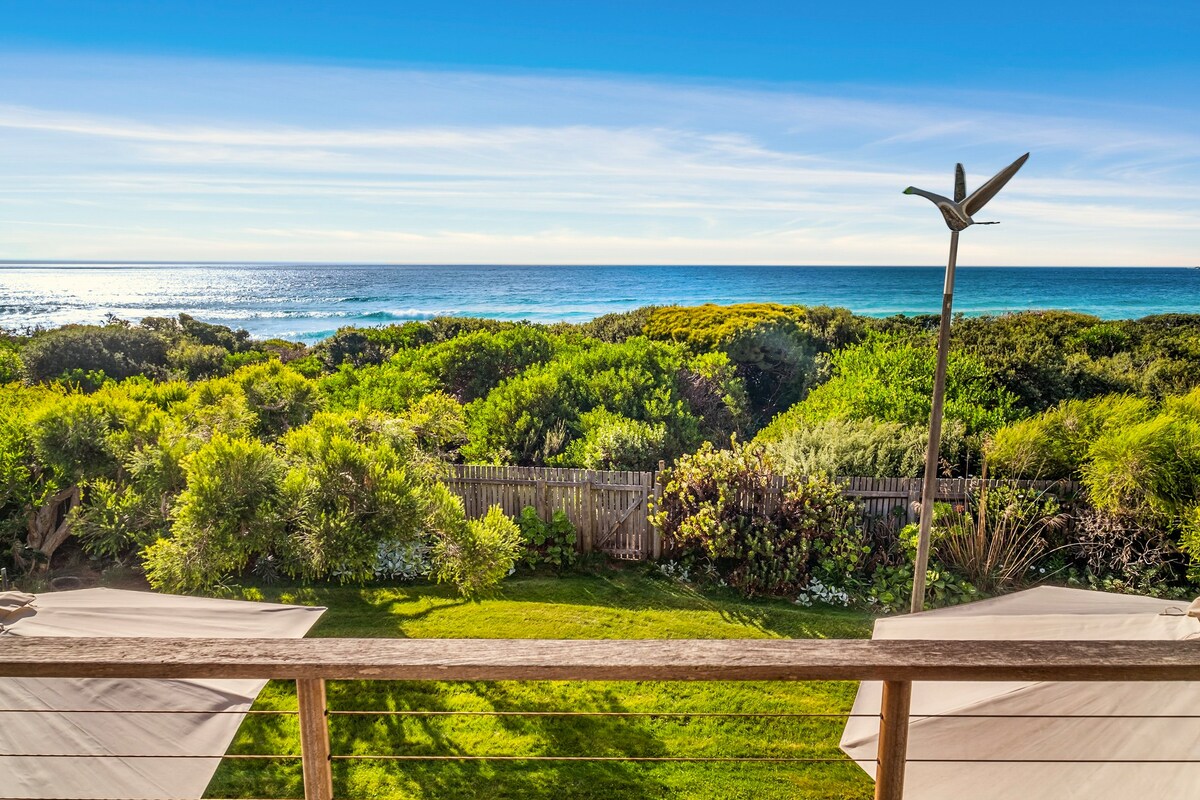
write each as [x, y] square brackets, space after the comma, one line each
[310, 662]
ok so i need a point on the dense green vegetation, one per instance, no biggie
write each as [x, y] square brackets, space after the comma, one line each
[1138, 459]
[208, 461]
[200, 453]
[604, 605]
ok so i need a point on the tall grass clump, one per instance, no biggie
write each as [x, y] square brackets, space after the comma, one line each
[997, 537]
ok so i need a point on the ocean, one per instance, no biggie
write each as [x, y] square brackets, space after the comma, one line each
[308, 302]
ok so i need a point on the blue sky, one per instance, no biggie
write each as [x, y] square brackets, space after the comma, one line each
[595, 132]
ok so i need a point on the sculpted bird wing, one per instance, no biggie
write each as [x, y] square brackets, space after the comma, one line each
[960, 183]
[936, 198]
[979, 198]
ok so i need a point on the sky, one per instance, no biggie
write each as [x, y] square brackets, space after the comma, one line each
[603, 132]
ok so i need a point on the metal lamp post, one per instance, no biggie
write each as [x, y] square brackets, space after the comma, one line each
[958, 214]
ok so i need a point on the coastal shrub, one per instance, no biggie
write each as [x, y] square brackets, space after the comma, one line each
[1184, 407]
[118, 351]
[353, 481]
[547, 544]
[440, 424]
[610, 441]
[385, 387]
[230, 511]
[703, 328]
[104, 466]
[310, 365]
[443, 328]
[612, 328]
[71, 437]
[773, 347]
[12, 369]
[477, 554]
[280, 397]
[710, 386]
[889, 379]
[724, 506]
[706, 327]
[347, 496]
[24, 483]
[194, 361]
[533, 417]
[1046, 357]
[1055, 444]
[1150, 468]
[112, 519]
[358, 347]
[858, 447]
[469, 366]
[465, 368]
[235, 361]
[1030, 354]
[1102, 339]
[777, 364]
[1139, 463]
[207, 333]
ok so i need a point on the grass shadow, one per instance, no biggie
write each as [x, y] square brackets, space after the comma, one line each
[489, 735]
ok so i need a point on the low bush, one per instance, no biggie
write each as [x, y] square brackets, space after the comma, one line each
[547, 544]
[1122, 553]
[477, 554]
[725, 506]
[341, 497]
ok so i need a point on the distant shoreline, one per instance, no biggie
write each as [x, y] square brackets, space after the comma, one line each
[308, 302]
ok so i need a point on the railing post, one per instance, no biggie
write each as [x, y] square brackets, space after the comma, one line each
[893, 740]
[314, 739]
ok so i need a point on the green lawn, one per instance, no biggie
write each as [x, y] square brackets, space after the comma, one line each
[619, 604]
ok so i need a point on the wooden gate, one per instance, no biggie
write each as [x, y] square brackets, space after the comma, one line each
[609, 509]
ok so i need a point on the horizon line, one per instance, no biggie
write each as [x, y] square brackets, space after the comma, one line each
[5, 262]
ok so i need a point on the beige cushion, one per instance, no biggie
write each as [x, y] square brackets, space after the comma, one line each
[11, 604]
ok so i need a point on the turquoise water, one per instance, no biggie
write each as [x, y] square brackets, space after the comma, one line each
[309, 302]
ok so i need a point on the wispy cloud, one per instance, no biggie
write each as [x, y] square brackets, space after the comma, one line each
[175, 159]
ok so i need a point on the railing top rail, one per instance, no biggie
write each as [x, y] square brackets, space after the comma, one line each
[556, 659]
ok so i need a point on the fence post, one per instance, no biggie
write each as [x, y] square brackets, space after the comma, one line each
[893, 740]
[586, 533]
[656, 553]
[541, 499]
[314, 739]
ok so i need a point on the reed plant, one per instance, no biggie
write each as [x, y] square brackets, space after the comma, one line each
[997, 536]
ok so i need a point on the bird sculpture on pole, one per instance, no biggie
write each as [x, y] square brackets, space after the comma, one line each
[959, 214]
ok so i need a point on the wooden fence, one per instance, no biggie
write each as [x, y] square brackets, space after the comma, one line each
[901, 497]
[610, 509]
